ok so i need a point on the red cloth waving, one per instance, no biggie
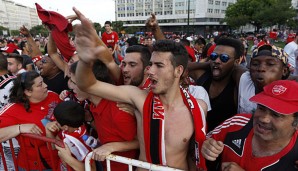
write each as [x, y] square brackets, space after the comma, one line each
[59, 28]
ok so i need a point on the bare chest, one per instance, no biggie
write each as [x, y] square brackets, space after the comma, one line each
[178, 127]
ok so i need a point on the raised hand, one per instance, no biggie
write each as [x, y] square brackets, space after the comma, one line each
[87, 40]
[151, 22]
[71, 18]
[24, 31]
[211, 149]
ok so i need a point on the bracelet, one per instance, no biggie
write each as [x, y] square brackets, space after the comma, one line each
[20, 128]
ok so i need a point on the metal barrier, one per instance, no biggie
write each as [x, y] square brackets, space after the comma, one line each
[49, 142]
[128, 161]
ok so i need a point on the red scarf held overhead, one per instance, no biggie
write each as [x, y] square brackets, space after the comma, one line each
[153, 127]
[59, 28]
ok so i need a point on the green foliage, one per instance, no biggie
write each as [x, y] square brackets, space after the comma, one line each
[97, 27]
[3, 28]
[117, 26]
[132, 29]
[15, 32]
[259, 13]
[39, 29]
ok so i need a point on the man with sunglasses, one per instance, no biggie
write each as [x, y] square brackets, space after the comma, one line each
[52, 75]
[219, 82]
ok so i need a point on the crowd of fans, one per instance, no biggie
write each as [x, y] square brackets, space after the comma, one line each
[180, 101]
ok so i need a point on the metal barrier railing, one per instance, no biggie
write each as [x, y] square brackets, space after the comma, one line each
[129, 162]
[34, 138]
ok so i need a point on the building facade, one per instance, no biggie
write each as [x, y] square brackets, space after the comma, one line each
[204, 15]
[13, 15]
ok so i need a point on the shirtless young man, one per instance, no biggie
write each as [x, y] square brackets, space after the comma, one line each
[172, 109]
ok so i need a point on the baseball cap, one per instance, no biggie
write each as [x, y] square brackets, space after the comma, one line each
[271, 50]
[280, 96]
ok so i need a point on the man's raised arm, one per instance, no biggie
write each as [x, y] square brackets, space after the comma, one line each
[52, 51]
[33, 48]
[152, 25]
[88, 50]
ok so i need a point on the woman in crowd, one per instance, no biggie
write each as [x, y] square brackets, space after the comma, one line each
[31, 107]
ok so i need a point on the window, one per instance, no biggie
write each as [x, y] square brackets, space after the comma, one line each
[217, 2]
[216, 11]
[210, 2]
[210, 10]
[224, 3]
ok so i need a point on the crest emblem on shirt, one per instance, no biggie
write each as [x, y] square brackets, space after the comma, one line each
[278, 89]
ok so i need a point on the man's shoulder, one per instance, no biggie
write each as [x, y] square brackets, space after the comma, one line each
[232, 124]
[5, 79]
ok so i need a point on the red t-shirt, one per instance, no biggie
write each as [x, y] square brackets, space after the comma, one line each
[290, 37]
[246, 160]
[114, 125]
[14, 114]
[110, 39]
[273, 35]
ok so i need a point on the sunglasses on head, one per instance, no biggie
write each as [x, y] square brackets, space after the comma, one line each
[223, 57]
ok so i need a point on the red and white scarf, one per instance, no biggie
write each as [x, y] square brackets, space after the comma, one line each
[153, 127]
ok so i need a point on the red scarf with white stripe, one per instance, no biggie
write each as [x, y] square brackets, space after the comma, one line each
[153, 127]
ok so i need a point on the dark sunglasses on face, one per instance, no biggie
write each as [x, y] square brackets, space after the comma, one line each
[223, 57]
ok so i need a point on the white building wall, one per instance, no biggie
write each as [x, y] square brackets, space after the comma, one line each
[202, 12]
[13, 15]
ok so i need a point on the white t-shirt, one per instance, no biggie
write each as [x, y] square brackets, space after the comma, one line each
[290, 49]
[245, 92]
[199, 92]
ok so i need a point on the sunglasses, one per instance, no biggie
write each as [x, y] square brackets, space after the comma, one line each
[223, 57]
[43, 60]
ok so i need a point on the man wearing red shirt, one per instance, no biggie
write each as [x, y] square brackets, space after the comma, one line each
[266, 140]
[110, 38]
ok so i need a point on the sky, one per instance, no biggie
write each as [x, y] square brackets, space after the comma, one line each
[96, 10]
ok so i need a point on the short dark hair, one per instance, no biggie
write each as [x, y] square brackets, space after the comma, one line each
[23, 82]
[70, 113]
[179, 53]
[22, 45]
[17, 57]
[108, 22]
[3, 62]
[100, 71]
[143, 50]
[234, 43]
[185, 42]
[200, 41]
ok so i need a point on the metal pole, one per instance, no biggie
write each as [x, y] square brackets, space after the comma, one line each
[188, 6]
[116, 16]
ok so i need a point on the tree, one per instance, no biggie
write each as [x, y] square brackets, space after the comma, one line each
[3, 29]
[117, 26]
[97, 27]
[39, 29]
[259, 13]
